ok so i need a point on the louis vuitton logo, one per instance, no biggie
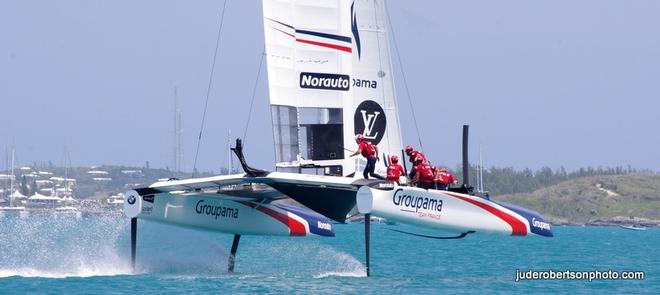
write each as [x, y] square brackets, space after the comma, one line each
[369, 123]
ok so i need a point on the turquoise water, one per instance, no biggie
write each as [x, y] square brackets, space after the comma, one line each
[92, 255]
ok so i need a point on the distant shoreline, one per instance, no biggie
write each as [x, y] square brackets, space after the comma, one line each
[614, 221]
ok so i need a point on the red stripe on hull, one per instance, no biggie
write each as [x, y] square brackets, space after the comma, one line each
[518, 228]
[296, 228]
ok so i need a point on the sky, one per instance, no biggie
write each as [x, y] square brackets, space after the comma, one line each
[541, 83]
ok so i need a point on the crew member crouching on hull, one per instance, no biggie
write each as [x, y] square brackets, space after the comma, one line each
[370, 152]
[395, 170]
[412, 155]
[423, 175]
[443, 179]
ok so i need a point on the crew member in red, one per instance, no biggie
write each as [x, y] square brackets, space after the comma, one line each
[412, 155]
[395, 170]
[443, 179]
[369, 151]
[424, 174]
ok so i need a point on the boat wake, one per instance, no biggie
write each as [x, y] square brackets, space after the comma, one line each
[350, 274]
[303, 258]
[83, 271]
[48, 247]
[342, 265]
[182, 252]
[62, 247]
[259, 256]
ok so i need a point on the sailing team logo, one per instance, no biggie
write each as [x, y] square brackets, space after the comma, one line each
[369, 120]
[409, 202]
[325, 81]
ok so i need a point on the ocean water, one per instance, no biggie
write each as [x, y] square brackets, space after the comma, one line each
[92, 256]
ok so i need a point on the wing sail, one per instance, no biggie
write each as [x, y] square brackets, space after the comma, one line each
[329, 78]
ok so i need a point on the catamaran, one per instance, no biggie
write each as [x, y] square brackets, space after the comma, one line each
[330, 78]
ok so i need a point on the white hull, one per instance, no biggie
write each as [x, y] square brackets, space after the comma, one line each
[450, 211]
[223, 213]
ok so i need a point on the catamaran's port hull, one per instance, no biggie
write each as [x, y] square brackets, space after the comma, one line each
[223, 213]
[450, 211]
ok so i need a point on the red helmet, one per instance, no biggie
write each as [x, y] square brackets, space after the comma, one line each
[409, 149]
[394, 159]
[419, 160]
[359, 137]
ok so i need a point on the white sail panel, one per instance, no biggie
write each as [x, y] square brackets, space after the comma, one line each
[329, 78]
[375, 111]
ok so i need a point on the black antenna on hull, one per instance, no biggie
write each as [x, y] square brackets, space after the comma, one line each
[466, 163]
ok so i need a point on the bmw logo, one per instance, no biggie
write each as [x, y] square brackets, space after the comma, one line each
[131, 199]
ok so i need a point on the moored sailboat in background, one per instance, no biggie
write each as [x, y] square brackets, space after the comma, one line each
[14, 196]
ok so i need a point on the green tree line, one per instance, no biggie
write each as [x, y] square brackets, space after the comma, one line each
[499, 181]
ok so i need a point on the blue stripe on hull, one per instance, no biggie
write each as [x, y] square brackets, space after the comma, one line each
[537, 224]
[318, 224]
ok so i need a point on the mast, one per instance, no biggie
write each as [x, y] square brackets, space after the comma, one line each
[229, 158]
[481, 172]
[177, 141]
[174, 146]
[466, 163]
[13, 175]
[66, 176]
[4, 183]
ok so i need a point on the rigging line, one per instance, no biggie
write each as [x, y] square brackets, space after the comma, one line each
[208, 89]
[380, 65]
[403, 74]
[254, 92]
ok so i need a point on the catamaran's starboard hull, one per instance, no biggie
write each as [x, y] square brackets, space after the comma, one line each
[219, 212]
[451, 211]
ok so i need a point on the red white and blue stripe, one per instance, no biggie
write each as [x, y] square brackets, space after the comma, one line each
[520, 219]
[314, 38]
[299, 221]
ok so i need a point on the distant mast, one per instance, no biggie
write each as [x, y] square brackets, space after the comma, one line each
[230, 164]
[481, 172]
[68, 193]
[330, 78]
[66, 174]
[177, 142]
[11, 181]
[6, 172]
